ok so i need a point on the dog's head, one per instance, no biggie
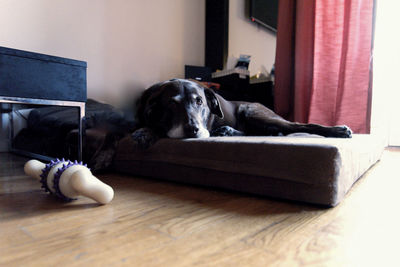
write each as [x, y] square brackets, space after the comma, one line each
[179, 109]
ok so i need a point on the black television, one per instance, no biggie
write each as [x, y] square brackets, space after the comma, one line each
[265, 13]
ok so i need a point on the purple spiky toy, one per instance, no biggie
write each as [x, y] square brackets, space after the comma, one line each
[68, 180]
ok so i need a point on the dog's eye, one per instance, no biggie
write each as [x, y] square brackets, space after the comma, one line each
[199, 101]
[172, 102]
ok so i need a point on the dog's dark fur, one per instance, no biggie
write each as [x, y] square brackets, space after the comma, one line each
[186, 109]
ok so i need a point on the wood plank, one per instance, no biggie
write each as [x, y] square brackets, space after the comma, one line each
[154, 223]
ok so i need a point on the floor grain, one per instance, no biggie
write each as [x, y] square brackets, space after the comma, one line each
[154, 223]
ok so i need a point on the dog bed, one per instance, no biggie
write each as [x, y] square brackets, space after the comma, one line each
[302, 168]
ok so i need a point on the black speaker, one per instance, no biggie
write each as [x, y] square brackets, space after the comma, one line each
[217, 27]
[198, 73]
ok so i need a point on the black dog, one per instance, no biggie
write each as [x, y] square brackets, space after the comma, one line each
[186, 109]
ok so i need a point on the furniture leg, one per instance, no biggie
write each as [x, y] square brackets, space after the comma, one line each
[81, 130]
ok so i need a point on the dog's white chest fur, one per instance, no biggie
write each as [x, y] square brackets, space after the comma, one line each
[176, 132]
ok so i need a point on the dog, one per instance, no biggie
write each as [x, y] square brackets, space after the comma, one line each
[181, 108]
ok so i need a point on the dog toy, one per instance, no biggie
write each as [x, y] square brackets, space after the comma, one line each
[68, 180]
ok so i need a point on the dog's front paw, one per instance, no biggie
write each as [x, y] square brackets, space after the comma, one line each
[342, 131]
[226, 131]
[144, 138]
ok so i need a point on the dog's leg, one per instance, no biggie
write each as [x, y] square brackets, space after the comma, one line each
[144, 137]
[257, 119]
[341, 131]
[226, 131]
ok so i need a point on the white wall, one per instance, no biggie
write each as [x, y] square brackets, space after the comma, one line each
[128, 44]
[66, 28]
[150, 41]
[386, 87]
[73, 29]
[246, 37]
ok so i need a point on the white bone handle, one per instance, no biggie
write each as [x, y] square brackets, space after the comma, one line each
[74, 181]
[85, 184]
[34, 168]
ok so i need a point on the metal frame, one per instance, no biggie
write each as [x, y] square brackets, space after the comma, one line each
[33, 101]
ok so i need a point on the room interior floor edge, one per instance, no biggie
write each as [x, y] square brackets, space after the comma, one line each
[155, 223]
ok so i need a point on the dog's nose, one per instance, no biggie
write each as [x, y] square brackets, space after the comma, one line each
[191, 130]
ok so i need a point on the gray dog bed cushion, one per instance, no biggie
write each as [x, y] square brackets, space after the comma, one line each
[302, 168]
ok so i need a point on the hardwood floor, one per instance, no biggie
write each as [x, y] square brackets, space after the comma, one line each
[153, 223]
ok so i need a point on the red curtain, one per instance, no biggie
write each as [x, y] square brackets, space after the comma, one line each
[323, 62]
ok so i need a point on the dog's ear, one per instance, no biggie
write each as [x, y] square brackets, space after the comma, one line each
[153, 111]
[148, 106]
[213, 103]
[153, 114]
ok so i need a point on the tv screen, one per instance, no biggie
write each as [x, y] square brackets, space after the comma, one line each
[265, 12]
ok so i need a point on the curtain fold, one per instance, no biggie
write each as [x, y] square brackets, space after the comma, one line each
[323, 62]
